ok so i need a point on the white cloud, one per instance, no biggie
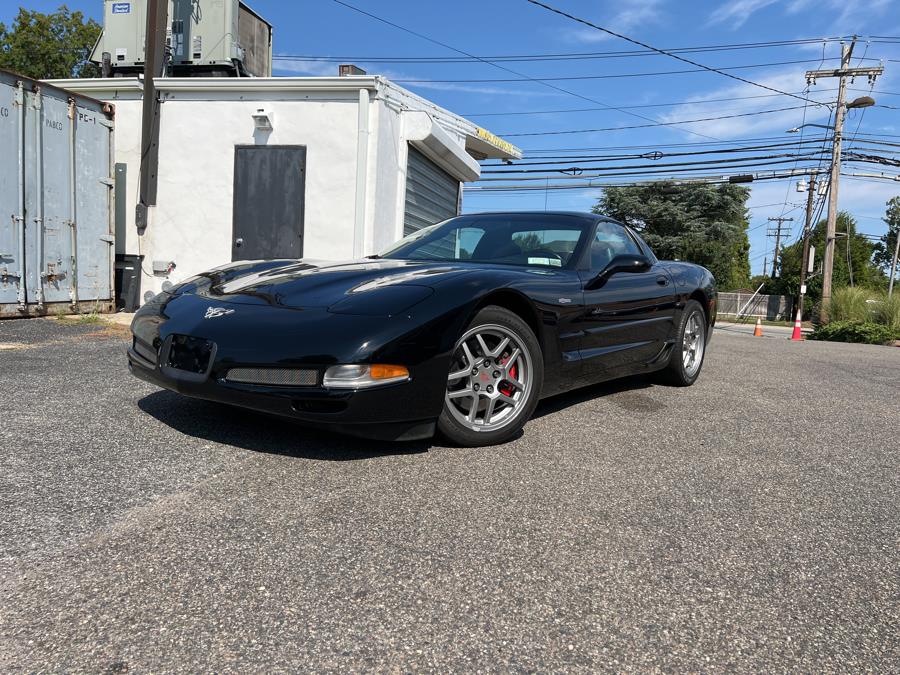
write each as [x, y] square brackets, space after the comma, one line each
[634, 15]
[850, 17]
[736, 12]
[791, 80]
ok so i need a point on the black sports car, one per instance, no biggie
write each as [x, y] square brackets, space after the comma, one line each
[461, 327]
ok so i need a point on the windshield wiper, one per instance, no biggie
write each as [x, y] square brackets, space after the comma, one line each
[374, 256]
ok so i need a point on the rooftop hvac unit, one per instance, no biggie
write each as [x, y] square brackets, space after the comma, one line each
[203, 38]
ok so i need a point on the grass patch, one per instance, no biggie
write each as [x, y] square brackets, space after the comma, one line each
[79, 319]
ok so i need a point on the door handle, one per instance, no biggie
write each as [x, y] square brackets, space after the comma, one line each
[239, 242]
[662, 281]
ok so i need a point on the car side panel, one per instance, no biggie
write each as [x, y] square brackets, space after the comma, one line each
[627, 321]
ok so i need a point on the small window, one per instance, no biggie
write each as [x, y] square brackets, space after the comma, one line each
[609, 241]
[454, 245]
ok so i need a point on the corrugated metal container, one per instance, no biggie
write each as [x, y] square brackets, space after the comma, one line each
[56, 225]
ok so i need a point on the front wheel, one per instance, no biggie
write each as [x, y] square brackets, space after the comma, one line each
[495, 379]
[690, 347]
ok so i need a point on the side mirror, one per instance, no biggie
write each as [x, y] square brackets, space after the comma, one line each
[624, 262]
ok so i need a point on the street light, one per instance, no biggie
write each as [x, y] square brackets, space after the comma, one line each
[837, 130]
[861, 102]
[797, 129]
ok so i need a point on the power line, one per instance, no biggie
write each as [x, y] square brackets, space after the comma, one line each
[557, 56]
[656, 124]
[646, 155]
[653, 166]
[869, 138]
[662, 51]
[504, 68]
[705, 101]
[610, 76]
[685, 144]
[667, 170]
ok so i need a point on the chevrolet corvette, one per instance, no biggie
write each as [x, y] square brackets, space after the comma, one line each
[460, 328]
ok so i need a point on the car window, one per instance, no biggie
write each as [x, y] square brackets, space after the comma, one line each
[609, 241]
[508, 240]
[457, 244]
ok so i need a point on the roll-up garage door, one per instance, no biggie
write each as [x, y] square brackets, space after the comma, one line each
[432, 195]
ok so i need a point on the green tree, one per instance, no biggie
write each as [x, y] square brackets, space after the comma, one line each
[884, 249]
[852, 256]
[47, 46]
[704, 224]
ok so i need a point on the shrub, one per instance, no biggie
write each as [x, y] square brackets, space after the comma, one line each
[866, 332]
[886, 310]
[851, 304]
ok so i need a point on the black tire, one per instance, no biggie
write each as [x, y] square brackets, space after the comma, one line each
[498, 323]
[677, 373]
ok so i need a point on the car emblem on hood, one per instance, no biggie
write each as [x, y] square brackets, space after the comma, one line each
[215, 312]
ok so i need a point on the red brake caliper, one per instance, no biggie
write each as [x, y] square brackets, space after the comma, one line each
[505, 387]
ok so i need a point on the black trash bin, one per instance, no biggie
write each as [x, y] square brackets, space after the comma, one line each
[128, 282]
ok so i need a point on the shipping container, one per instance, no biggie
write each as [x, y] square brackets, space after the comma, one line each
[57, 241]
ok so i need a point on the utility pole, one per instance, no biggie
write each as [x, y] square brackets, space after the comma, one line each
[842, 74]
[154, 65]
[894, 264]
[781, 220]
[807, 235]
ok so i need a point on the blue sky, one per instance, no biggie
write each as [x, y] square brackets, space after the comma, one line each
[513, 27]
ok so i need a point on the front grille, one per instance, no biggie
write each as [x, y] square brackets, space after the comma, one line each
[276, 377]
[190, 354]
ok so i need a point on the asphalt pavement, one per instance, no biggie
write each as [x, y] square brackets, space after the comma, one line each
[748, 523]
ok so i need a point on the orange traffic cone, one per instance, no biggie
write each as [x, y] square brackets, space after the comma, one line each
[757, 332]
[797, 334]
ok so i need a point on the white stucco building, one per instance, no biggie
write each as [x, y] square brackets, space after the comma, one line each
[349, 165]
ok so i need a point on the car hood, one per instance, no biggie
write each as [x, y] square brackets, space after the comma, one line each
[300, 284]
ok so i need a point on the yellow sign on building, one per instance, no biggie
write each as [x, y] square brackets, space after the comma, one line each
[498, 142]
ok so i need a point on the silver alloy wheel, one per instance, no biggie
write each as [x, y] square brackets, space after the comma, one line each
[694, 343]
[490, 378]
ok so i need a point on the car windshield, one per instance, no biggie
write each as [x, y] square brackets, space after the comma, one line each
[510, 240]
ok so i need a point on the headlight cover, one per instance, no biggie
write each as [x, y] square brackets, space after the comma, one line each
[363, 376]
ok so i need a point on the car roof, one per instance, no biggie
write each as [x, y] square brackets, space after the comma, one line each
[575, 214]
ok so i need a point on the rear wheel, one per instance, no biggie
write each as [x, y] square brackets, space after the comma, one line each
[495, 379]
[690, 347]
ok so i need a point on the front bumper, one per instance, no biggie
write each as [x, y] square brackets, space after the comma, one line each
[370, 413]
[316, 340]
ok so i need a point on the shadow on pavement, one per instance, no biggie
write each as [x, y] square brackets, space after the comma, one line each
[250, 430]
[258, 432]
[562, 401]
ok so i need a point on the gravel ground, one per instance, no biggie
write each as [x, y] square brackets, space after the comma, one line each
[747, 523]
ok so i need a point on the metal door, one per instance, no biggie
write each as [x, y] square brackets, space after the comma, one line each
[12, 191]
[94, 230]
[48, 203]
[432, 195]
[269, 201]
